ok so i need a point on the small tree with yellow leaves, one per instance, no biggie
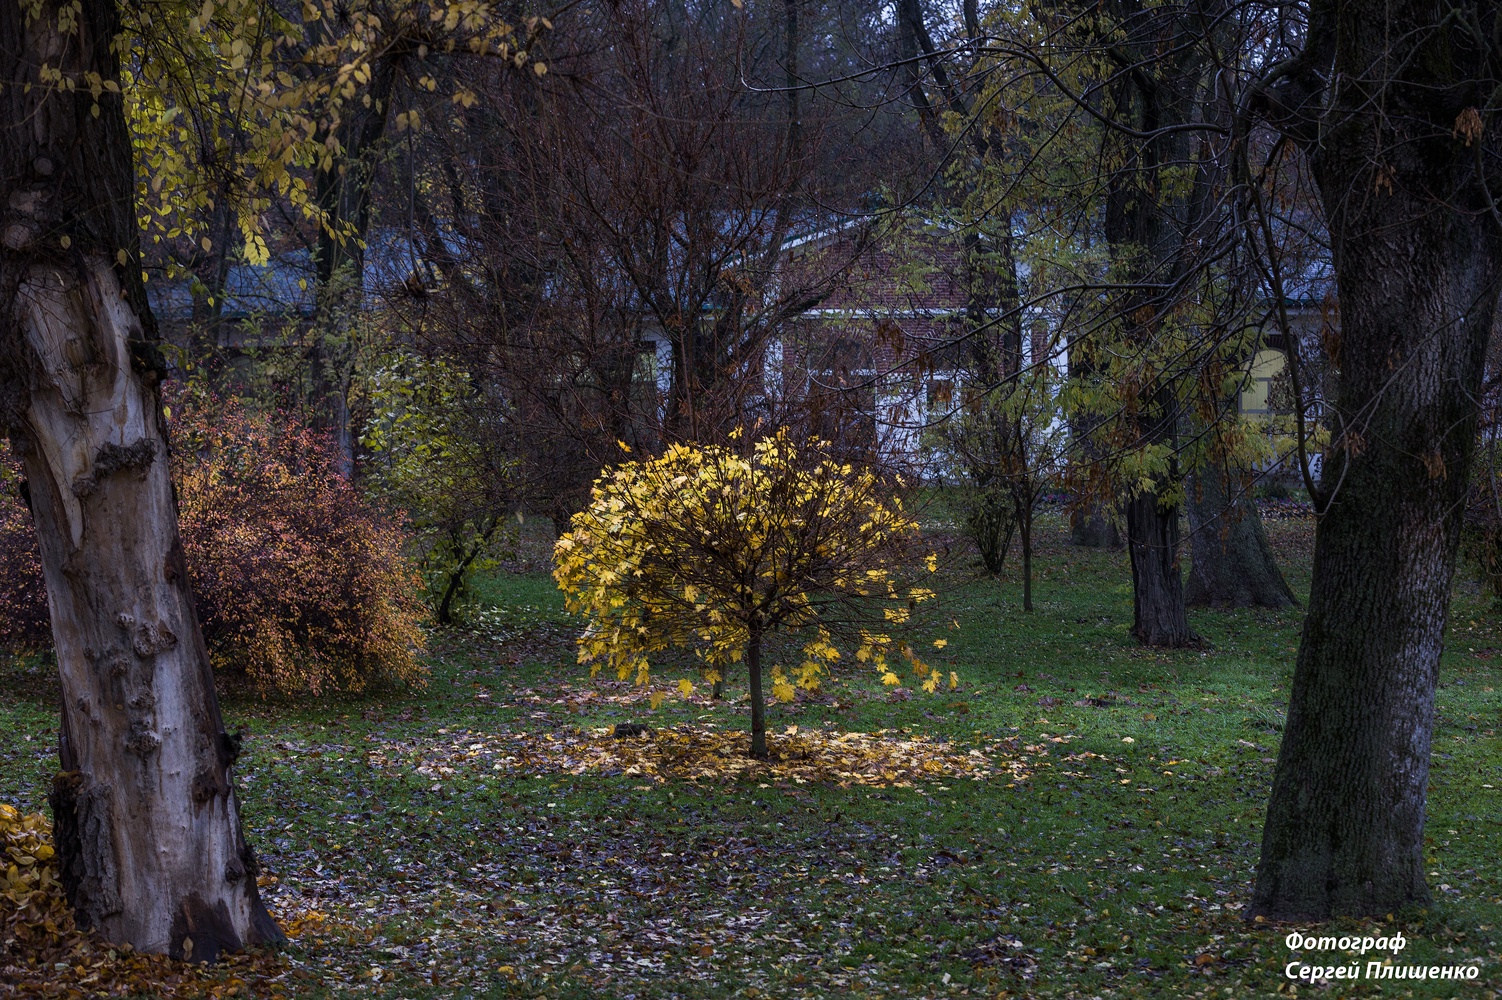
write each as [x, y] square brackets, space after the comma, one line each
[716, 548]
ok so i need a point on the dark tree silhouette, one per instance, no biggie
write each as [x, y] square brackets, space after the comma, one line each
[1392, 105]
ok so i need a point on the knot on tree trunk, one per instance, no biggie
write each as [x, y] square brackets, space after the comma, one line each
[112, 458]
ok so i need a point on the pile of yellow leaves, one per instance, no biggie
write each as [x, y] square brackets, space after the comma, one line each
[690, 753]
[43, 953]
[27, 847]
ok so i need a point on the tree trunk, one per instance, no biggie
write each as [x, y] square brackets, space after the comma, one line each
[1158, 617]
[1231, 565]
[445, 613]
[455, 584]
[1025, 526]
[146, 821]
[1092, 528]
[758, 702]
[1160, 210]
[343, 194]
[1418, 259]
[332, 361]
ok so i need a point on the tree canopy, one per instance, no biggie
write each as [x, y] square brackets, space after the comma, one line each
[717, 548]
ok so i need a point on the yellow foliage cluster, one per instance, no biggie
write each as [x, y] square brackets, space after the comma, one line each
[233, 104]
[710, 548]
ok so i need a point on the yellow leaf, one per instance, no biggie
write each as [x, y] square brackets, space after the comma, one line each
[940, 643]
[656, 699]
[686, 686]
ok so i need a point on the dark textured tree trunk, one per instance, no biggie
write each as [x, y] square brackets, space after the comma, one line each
[1158, 617]
[1092, 528]
[146, 821]
[1161, 207]
[445, 612]
[1418, 258]
[1231, 564]
[758, 702]
[455, 584]
[1025, 527]
[333, 364]
[1091, 525]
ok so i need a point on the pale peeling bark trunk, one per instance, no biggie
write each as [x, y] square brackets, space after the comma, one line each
[147, 825]
[1418, 258]
[146, 820]
[1231, 563]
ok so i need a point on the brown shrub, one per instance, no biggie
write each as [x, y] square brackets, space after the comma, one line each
[300, 584]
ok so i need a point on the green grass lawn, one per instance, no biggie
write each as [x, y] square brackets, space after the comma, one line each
[439, 874]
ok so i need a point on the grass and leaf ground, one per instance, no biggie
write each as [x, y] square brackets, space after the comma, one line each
[1079, 819]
